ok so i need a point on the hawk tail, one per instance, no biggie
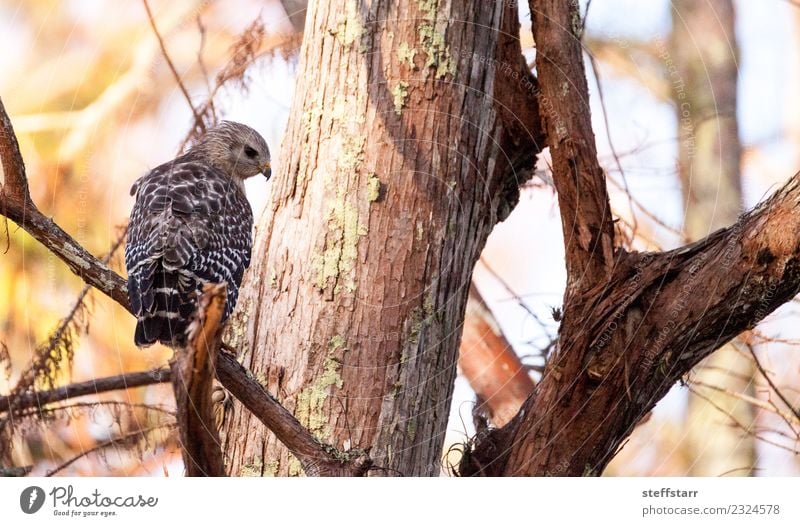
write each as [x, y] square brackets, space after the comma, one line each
[165, 309]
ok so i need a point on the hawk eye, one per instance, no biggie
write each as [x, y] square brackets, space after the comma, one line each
[250, 152]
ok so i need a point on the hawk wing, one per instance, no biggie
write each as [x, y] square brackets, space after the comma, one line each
[191, 225]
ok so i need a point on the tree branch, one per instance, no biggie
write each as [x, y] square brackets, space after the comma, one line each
[315, 457]
[489, 363]
[91, 387]
[659, 315]
[579, 180]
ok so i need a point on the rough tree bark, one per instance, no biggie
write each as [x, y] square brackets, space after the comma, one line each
[709, 162]
[412, 126]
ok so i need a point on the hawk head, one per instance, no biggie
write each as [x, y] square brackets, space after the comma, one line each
[236, 149]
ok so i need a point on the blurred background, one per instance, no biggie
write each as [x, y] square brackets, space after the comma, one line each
[696, 116]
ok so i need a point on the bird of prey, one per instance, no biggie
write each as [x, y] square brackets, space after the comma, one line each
[191, 224]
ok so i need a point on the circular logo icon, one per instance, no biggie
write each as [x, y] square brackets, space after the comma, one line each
[31, 499]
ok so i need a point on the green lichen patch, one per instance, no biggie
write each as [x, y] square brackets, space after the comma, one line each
[271, 469]
[406, 54]
[337, 342]
[311, 401]
[428, 8]
[432, 41]
[349, 28]
[577, 24]
[253, 469]
[311, 116]
[411, 429]
[338, 259]
[399, 96]
[352, 154]
[420, 231]
[295, 469]
[261, 378]
[373, 188]
[438, 52]
[420, 318]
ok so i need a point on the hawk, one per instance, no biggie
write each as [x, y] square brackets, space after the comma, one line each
[191, 224]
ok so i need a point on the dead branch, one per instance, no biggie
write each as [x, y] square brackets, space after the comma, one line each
[192, 380]
[59, 345]
[795, 410]
[315, 457]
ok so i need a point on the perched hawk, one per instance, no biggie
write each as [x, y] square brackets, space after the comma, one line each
[191, 225]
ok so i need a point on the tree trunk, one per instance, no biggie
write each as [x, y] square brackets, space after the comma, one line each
[709, 161]
[412, 126]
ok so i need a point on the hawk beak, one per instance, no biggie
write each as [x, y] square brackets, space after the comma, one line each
[266, 169]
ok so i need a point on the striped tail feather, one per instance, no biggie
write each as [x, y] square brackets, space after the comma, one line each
[166, 305]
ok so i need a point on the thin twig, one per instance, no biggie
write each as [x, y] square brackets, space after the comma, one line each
[124, 439]
[795, 410]
[164, 52]
[607, 125]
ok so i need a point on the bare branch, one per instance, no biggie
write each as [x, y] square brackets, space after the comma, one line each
[91, 387]
[692, 300]
[579, 180]
[14, 185]
[795, 410]
[489, 363]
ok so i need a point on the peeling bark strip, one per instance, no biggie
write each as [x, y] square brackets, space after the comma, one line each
[643, 325]
[413, 124]
[192, 381]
